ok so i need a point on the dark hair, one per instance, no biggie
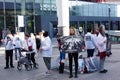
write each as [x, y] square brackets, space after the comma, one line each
[8, 38]
[26, 34]
[45, 34]
[89, 29]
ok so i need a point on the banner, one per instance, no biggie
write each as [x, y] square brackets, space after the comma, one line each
[71, 44]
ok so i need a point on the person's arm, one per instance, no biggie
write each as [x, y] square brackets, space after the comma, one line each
[5, 40]
[101, 41]
[47, 45]
[95, 41]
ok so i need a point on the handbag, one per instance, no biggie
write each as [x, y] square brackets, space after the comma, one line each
[108, 53]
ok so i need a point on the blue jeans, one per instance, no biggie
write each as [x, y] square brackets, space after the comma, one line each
[62, 56]
[19, 51]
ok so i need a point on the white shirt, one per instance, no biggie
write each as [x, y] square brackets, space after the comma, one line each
[28, 43]
[18, 43]
[9, 44]
[46, 46]
[90, 41]
[101, 44]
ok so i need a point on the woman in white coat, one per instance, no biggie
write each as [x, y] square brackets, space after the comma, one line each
[102, 40]
[46, 50]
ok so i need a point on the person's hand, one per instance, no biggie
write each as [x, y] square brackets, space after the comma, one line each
[2, 40]
[105, 41]
[40, 49]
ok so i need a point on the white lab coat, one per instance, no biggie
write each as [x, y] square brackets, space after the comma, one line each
[27, 43]
[46, 46]
[90, 41]
[101, 44]
[9, 44]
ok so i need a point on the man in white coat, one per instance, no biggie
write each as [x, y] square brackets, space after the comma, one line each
[9, 51]
[46, 50]
[29, 46]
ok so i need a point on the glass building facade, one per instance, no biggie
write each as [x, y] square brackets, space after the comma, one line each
[10, 9]
[79, 8]
[41, 14]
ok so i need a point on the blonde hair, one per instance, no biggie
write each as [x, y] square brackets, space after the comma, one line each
[74, 29]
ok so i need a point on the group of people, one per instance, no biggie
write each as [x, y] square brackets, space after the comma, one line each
[98, 41]
[93, 41]
[42, 43]
[31, 43]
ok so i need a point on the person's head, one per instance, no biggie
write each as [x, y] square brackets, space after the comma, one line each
[58, 36]
[72, 31]
[8, 38]
[102, 30]
[89, 29]
[80, 29]
[96, 28]
[45, 34]
[27, 35]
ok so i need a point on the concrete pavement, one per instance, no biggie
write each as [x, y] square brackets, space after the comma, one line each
[112, 64]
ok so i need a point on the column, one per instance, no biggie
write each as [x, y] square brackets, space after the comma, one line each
[63, 17]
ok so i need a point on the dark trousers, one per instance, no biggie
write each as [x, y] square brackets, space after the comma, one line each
[71, 56]
[47, 61]
[9, 57]
[90, 52]
[31, 57]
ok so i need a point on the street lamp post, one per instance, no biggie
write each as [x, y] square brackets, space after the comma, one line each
[34, 16]
[109, 10]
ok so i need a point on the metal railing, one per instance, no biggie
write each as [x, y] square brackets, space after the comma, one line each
[115, 39]
[114, 35]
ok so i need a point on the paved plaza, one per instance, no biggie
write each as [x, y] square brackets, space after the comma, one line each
[112, 64]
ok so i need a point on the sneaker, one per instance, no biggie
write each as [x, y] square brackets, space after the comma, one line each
[6, 67]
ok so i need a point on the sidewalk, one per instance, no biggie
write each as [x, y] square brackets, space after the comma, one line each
[112, 64]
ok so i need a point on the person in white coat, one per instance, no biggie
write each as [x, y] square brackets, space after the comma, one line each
[90, 43]
[29, 46]
[9, 51]
[46, 50]
[102, 40]
[18, 46]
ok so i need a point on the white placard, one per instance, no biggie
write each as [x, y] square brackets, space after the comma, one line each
[20, 21]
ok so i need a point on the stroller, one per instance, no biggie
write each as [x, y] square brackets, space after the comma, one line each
[26, 62]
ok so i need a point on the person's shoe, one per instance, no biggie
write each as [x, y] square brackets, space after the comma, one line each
[103, 71]
[6, 67]
[12, 66]
[48, 72]
[70, 76]
[35, 66]
[76, 76]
